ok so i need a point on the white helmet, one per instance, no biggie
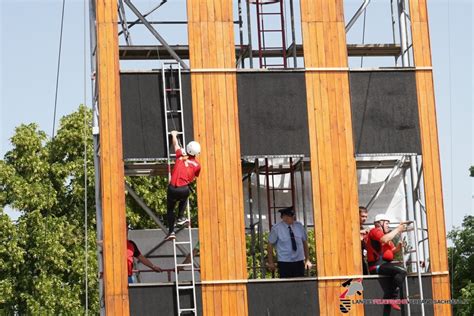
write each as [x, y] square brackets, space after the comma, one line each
[381, 217]
[193, 148]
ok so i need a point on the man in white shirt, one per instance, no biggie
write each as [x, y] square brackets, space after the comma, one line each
[291, 242]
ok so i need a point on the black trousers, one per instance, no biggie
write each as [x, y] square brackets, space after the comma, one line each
[291, 269]
[365, 267]
[398, 275]
[175, 195]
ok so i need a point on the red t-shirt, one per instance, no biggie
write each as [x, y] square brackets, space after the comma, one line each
[184, 170]
[376, 251]
[132, 251]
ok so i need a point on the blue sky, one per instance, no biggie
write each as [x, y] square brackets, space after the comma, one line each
[29, 45]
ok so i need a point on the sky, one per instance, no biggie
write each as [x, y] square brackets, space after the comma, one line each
[29, 42]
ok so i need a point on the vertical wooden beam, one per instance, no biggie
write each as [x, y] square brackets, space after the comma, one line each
[112, 169]
[334, 179]
[216, 127]
[430, 152]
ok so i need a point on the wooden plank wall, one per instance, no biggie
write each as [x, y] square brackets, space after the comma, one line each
[112, 169]
[216, 127]
[430, 152]
[334, 179]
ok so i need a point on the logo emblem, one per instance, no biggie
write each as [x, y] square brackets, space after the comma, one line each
[351, 288]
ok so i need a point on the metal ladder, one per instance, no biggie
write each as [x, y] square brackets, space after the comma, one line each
[275, 17]
[173, 107]
[273, 204]
[413, 251]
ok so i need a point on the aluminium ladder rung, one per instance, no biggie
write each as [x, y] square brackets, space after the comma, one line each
[173, 111]
[172, 89]
[184, 264]
[188, 287]
[179, 133]
[280, 206]
[183, 242]
[184, 310]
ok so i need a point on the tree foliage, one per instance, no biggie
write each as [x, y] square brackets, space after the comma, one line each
[254, 251]
[42, 255]
[461, 261]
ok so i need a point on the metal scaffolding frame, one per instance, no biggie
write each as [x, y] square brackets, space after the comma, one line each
[254, 168]
[262, 18]
[253, 24]
[410, 167]
[400, 18]
[415, 255]
[96, 144]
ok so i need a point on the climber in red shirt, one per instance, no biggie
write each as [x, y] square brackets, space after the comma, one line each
[380, 253]
[185, 170]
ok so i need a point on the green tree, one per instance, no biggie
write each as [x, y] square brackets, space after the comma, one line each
[11, 258]
[461, 261]
[42, 268]
[258, 255]
[44, 257]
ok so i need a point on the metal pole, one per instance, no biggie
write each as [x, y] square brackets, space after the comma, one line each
[414, 181]
[273, 193]
[283, 36]
[420, 284]
[156, 34]
[260, 56]
[123, 22]
[305, 220]
[260, 222]
[249, 35]
[293, 34]
[393, 28]
[407, 207]
[292, 184]
[403, 32]
[405, 5]
[387, 179]
[241, 34]
[131, 24]
[252, 228]
[357, 15]
[422, 210]
[406, 281]
[268, 194]
[95, 132]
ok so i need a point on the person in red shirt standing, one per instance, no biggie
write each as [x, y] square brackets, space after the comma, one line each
[380, 253]
[133, 252]
[185, 170]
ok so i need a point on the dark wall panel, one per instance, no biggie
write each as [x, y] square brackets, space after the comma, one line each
[283, 298]
[385, 112]
[272, 113]
[374, 289]
[152, 300]
[143, 125]
[273, 298]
